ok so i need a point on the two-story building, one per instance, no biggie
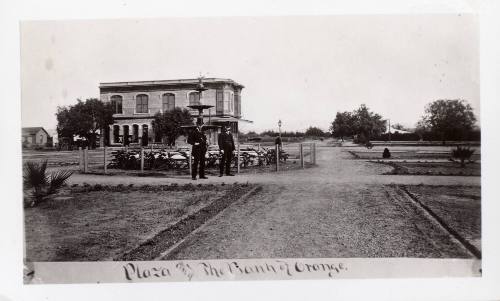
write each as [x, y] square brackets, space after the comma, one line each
[136, 103]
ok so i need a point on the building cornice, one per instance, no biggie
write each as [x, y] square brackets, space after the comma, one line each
[167, 83]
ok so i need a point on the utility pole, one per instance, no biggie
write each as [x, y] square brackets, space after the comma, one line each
[389, 130]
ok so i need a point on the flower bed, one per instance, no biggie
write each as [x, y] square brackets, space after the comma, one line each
[178, 160]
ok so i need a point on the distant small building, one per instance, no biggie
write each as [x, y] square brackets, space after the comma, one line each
[396, 131]
[35, 136]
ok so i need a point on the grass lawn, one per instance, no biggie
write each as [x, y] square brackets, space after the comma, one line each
[95, 223]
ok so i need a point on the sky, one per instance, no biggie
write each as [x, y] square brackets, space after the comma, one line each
[300, 69]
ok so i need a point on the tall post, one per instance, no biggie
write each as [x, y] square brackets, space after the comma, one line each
[86, 160]
[390, 140]
[105, 160]
[311, 153]
[277, 157]
[314, 154]
[238, 157]
[142, 159]
[302, 155]
[80, 158]
[190, 163]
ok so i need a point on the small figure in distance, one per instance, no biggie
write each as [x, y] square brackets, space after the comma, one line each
[386, 154]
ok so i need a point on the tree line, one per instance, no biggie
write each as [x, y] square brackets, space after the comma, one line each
[444, 119]
[311, 131]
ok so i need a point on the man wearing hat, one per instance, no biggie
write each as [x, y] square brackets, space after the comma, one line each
[226, 147]
[199, 142]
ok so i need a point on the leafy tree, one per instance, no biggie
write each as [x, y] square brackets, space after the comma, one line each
[84, 119]
[343, 125]
[361, 122]
[421, 128]
[168, 124]
[66, 126]
[367, 123]
[314, 132]
[450, 119]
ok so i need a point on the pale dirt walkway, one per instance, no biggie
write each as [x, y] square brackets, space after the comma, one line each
[339, 209]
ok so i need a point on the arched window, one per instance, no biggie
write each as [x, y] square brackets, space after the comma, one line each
[141, 103]
[194, 98]
[135, 133]
[116, 134]
[116, 103]
[145, 136]
[168, 101]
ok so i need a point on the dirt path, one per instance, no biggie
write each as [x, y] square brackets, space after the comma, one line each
[339, 209]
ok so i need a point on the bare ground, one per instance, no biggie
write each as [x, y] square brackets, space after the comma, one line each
[88, 225]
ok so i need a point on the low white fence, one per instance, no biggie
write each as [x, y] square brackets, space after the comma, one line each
[303, 152]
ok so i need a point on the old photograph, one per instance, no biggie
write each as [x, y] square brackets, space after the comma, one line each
[251, 148]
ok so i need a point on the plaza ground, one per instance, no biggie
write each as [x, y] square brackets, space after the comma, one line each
[343, 207]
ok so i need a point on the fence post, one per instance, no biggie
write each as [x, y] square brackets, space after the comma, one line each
[86, 159]
[258, 147]
[80, 158]
[302, 155]
[238, 157]
[314, 157]
[311, 153]
[142, 159]
[190, 163]
[277, 157]
[105, 160]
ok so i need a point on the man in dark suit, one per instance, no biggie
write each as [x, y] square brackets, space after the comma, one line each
[226, 147]
[199, 142]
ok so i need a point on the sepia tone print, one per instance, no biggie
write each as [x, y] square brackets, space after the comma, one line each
[251, 148]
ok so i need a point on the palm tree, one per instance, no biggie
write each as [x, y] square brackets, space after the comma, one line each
[462, 153]
[43, 185]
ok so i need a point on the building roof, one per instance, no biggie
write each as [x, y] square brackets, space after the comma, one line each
[169, 82]
[33, 130]
[393, 130]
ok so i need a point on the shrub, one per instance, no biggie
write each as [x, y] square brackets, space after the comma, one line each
[462, 153]
[386, 154]
[43, 185]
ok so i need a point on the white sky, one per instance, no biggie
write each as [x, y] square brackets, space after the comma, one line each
[301, 70]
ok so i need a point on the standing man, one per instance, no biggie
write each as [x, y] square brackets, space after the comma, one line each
[199, 142]
[226, 147]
